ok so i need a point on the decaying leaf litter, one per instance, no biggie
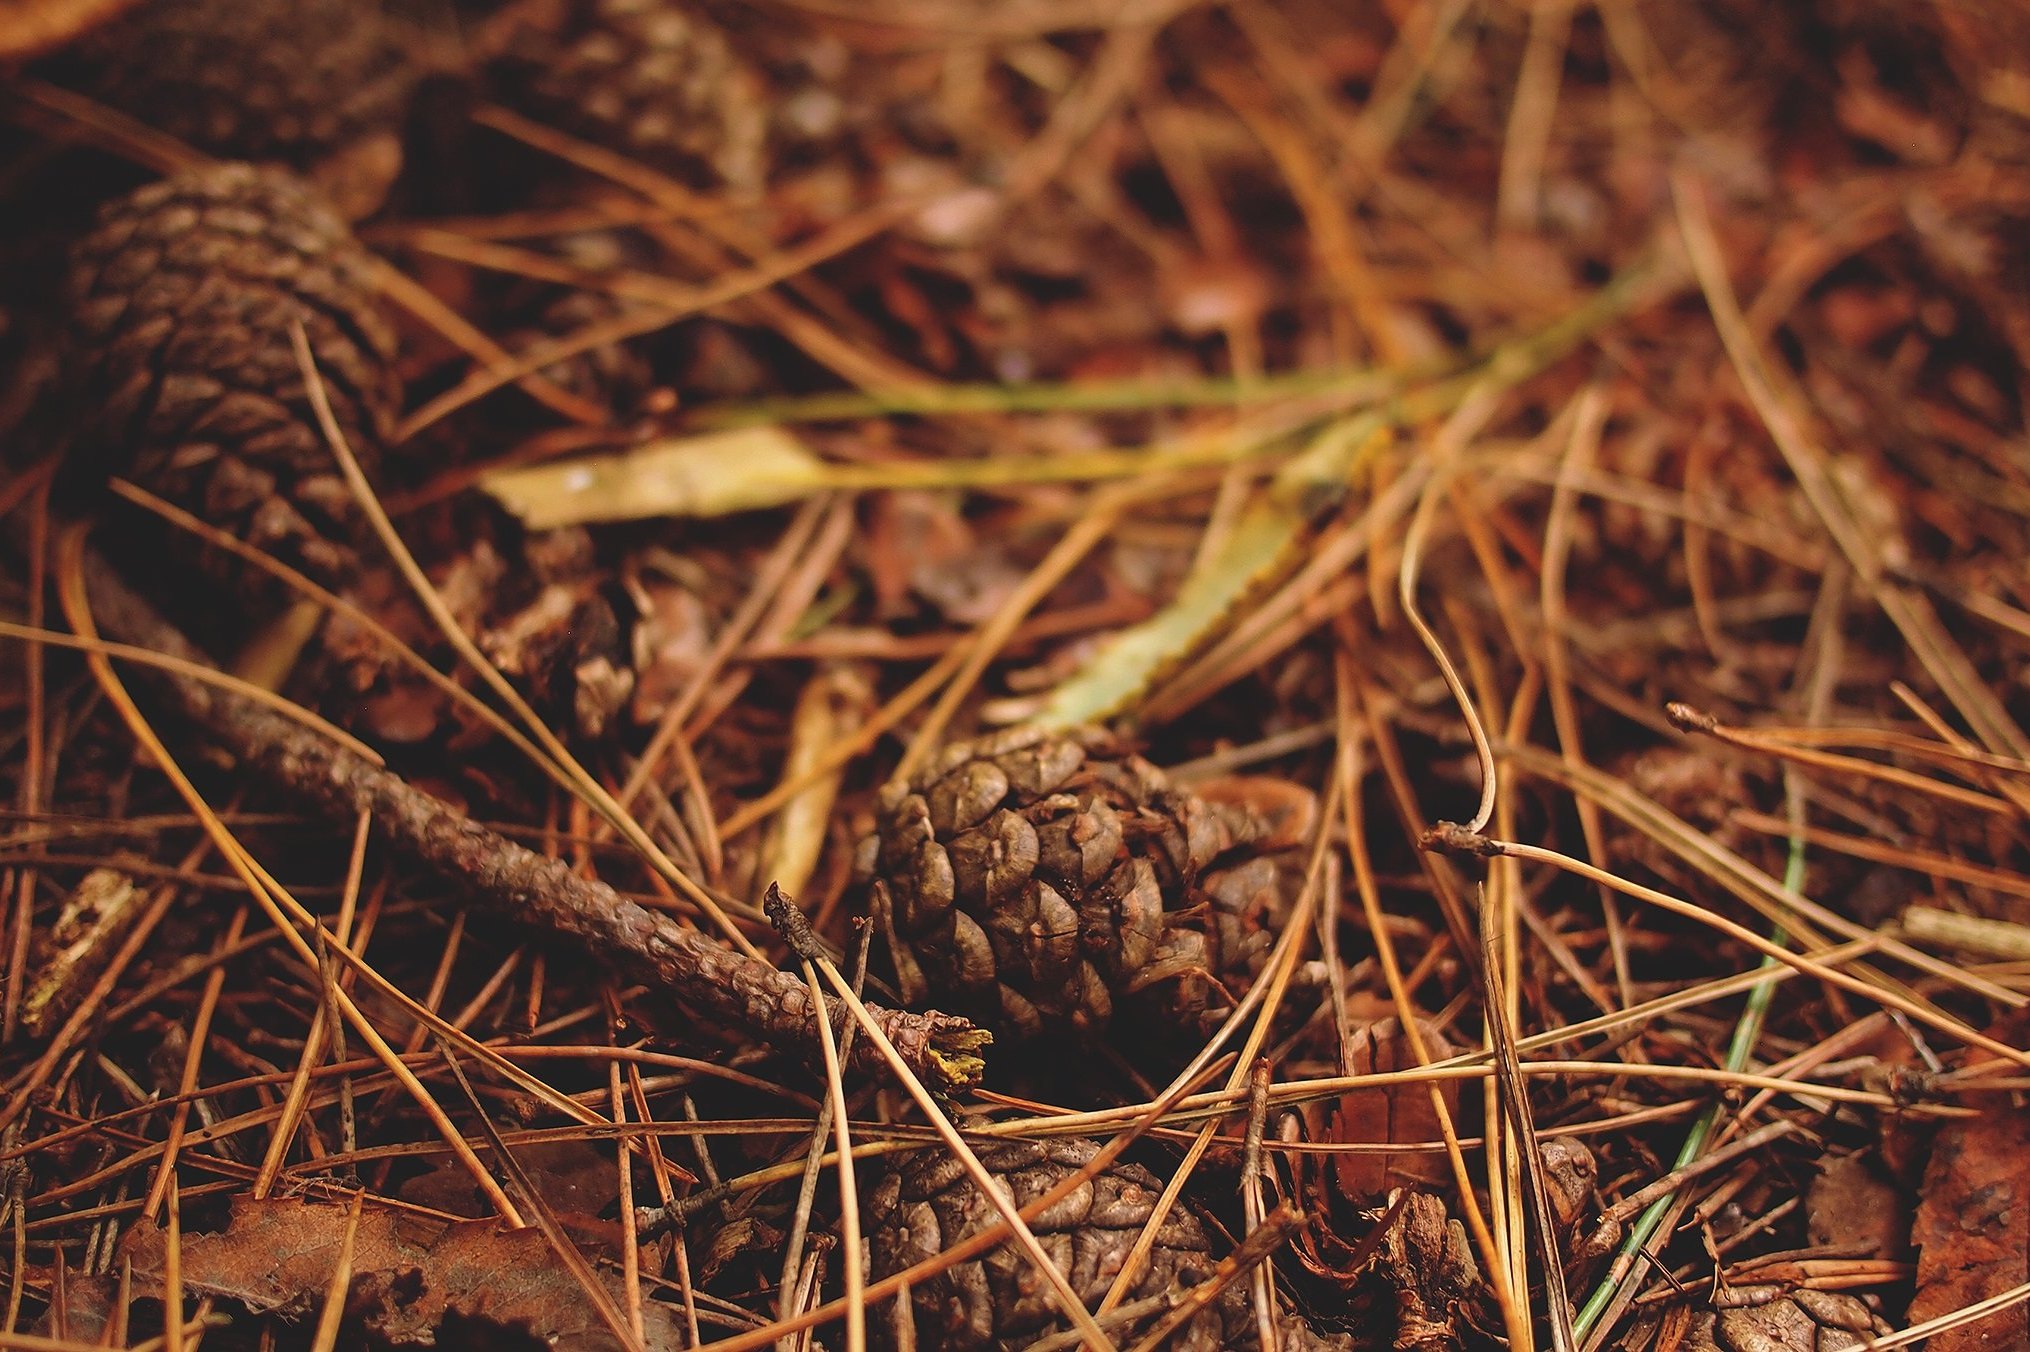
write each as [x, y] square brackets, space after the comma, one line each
[1415, 606]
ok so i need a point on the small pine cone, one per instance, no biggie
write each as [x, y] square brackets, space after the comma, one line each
[928, 1203]
[183, 378]
[652, 79]
[295, 82]
[1040, 880]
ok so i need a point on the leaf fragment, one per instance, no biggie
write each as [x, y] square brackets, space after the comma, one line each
[712, 474]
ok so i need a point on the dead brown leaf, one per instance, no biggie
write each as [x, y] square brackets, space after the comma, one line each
[1973, 1225]
[409, 1274]
[1397, 1114]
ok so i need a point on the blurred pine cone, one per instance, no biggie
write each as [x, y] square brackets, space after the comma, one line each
[1044, 880]
[181, 375]
[927, 1204]
[295, 82]
[649, 78]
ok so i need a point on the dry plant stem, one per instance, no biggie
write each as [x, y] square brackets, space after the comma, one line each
[670, 730]
[422, 303]
[128, 652]
[1799, 914]
[542, 1215]
[1918, 1333]
[1099, 520]
[283, 910]
[1688, 719]
[1448, 838]
[325, 1023]
[849, 1194]
[108, 128]
[704, 977]
[1351, 705]
[1251, 1256]
[1776, 405]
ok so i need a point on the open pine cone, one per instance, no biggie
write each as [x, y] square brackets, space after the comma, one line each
[181, 374]
[304, 83]
[1044, 881]
[997, 1300]
[652, 79]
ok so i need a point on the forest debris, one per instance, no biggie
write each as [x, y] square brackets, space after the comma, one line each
[92, 919]
[318, 86]
[703, 976]
[1853, 1207]
[927, 1204]
[711, 474]
[2001, 939]
[835, 701]
[409, 1274]
[1427, 1268]
[1262, 546]
[1572, 1178]
[1396, 1114]
[1972, 1233]
[660, 82]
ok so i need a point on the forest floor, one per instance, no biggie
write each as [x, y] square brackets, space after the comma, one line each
[1417, 606]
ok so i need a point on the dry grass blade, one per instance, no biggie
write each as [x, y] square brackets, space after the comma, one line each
[1912, 615]
[1911, 1008]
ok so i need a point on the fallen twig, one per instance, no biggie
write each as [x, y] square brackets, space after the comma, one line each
[704, 977]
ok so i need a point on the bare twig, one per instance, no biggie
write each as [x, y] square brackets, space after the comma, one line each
[702, 976]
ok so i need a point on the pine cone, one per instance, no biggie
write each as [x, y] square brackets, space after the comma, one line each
[294, 82]
[1043, 881]
[650, 78]
[927, 1204]
[182, 376]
